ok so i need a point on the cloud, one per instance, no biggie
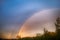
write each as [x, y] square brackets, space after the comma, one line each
[7, 35]
[40, 20]
[14, 13]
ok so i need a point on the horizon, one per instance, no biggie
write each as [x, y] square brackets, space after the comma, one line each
[31, 16]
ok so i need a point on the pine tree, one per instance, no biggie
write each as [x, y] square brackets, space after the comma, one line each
[58, 23]
[58, 28]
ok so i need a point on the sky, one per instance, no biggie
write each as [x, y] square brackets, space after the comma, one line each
[14, 13]
[44, 19]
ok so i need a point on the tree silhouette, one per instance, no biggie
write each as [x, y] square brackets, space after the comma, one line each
[58, 28]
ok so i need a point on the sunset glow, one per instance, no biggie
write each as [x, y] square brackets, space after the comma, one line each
[26, 18]
[35, 25]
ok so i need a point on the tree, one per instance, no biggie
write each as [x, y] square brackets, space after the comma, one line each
[58, 28]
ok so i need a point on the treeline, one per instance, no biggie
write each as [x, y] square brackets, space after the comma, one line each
[47, 35]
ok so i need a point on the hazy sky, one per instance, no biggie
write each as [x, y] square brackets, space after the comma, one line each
[14, 13]
[44, 19]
